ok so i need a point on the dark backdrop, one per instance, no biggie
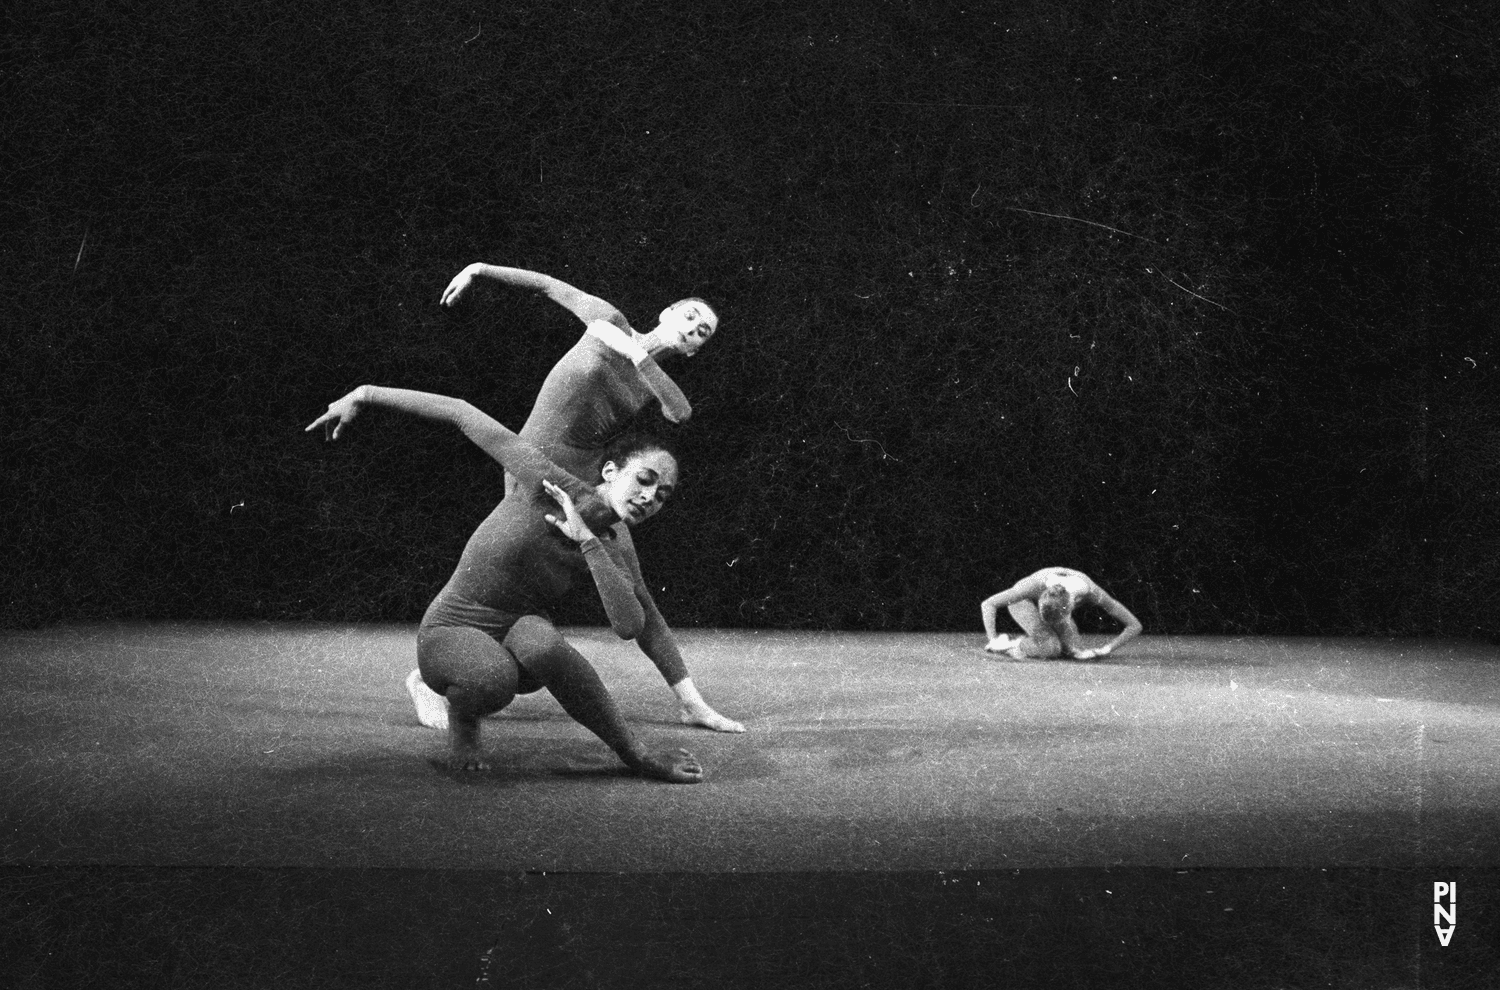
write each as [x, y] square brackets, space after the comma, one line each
[1196, 296]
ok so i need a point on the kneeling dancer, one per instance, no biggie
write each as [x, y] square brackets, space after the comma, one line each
[488, 635]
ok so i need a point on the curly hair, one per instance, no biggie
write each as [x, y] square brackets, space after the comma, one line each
[627, 445]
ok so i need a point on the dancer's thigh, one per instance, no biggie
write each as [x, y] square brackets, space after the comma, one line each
[462, 656]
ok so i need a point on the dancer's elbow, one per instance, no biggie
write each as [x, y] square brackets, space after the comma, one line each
[629, 626]
[627, 631]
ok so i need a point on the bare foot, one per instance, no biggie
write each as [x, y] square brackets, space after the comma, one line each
[463, 733]
[675, 766]
[707, 718]
[432, 708]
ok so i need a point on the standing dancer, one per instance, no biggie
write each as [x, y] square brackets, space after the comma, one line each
[488, 636]
[1042, 604]
[588, 398]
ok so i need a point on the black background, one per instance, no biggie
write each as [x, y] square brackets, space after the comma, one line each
[1197, 297]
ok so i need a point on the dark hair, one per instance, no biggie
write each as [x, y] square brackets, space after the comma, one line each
[700, 301]
[627, 445]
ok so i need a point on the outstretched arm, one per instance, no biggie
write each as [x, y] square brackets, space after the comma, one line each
[990, 608]
[530, 466]
[1121, 614]
[674, 404]
[658, 643]
[589, 309]
[582, 305]
[660, 646]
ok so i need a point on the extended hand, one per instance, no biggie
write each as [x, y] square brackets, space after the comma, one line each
[1102, 651]
[340, 413]
[457, 287]
[572, 524]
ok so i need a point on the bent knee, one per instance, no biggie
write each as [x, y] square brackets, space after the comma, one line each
[462, 657]
[535, 635]
[1043, 647]
[541, 650]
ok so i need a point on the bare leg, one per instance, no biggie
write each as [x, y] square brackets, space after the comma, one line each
[1041, 643]
[565, 672]
[478, 677]
[1071, 642]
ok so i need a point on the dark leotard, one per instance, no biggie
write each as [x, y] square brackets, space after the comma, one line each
[517, 563]
[587, 400]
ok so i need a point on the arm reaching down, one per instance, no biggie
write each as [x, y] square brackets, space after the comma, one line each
[658, 643]
[674, 404]
[660, 646]
[1120, 614]
[990, 608]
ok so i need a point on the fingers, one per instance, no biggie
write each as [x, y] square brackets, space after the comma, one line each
[323, 421]
[454, 290]
[564, 527]
[561, 497]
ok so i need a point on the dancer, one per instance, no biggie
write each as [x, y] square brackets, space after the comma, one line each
[578, 381]
[1042, 605]
[487, 636]
[588, 398]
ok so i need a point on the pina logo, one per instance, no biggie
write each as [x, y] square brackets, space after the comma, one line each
[1444, 910]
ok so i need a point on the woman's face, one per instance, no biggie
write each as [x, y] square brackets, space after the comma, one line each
[638, 490]
[687, 325]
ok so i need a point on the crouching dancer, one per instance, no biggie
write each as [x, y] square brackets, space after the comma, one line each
[488, 635]
[1042, 605]
[586, 402]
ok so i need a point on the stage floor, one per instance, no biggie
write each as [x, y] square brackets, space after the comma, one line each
[276, 746]
[250, 806]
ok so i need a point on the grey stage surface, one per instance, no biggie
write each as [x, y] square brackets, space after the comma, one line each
[275, 746]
